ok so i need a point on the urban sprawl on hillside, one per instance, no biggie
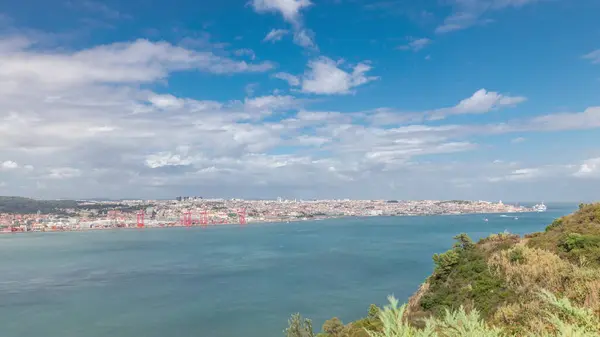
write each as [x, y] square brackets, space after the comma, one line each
[196, 211]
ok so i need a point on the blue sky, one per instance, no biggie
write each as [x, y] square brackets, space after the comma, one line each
[434, 99]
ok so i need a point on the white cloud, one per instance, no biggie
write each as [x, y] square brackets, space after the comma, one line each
[325, 77]
[481, 101]
[14, 43]
[593, 56]
[129, 62]
[167, 159]
[416, 44]
[246, 52]
[63, 173]
[589, 168]
[9, 165]
[276, 35]
[291, 79]
[305, 38]
[468, 13]
[588, 119]
[289, 9]
[517, 140]
[291, 12]
[119, 138]
[312, 140]
[166, 101]
[271, 102]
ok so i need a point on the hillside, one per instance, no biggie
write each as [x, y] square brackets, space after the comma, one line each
[20, 205]
[543, 284]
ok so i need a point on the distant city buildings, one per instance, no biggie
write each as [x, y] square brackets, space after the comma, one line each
[196, 211]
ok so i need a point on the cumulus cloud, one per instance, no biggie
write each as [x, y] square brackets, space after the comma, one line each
[9, 165]
[271, 102]
[416, 44]
[126, 62]
[481, 101]
[109, 136]
[289, 9]
[276, 35]
[589, 168]
[326, 77]
[166, 101]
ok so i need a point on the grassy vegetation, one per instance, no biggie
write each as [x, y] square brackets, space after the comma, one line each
[545, 284]
[574, 237]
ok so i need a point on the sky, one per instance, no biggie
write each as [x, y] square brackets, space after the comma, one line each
[378, 99]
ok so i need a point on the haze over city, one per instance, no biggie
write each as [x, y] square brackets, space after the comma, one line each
[487, 99]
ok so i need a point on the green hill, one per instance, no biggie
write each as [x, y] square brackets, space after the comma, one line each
[543, 284]
[20, 205]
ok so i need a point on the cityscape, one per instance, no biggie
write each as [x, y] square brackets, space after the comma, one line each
[197, 211]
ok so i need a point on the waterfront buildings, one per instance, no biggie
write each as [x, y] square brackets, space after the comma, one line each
[192, 211]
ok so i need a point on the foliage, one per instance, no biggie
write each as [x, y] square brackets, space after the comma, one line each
[459, 323]
[560, 318]
[462, 277]
[556, 223]
[516, 256]
[373, 312]
[334, 327]
[575, 237]
[19, 205]
[299, 327]
[394, 324]
[495, 288]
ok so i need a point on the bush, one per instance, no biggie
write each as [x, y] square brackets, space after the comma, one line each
[462, 276]
[517, 256]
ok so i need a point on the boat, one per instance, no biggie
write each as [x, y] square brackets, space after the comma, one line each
[485, 219]
[516, 218]
[540, 207]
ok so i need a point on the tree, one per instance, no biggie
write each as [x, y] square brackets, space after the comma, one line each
[333, 327]
[299, 327]
[463, 241]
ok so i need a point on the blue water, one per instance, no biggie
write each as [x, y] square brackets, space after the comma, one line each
[226, 280]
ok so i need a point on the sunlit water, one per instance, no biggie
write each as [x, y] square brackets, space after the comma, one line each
[223, 281]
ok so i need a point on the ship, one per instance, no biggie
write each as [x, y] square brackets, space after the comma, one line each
[540, 207]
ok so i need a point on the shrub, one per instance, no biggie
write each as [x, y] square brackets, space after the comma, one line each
[462, 277]
[516, 256]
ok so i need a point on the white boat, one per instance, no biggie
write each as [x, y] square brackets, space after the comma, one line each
[540, 207]
[485, 219]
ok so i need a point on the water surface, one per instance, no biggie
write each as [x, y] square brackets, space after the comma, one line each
[223, 281]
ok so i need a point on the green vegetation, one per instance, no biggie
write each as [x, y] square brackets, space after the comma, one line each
[19, 205]
[575, 237]
[545, 284]
[461, 277]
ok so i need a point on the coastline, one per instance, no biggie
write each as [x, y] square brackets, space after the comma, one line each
[249, 223]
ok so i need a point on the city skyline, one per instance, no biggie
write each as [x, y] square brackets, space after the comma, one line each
[332, 99]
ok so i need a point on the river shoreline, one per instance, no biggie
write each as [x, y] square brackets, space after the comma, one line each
[278, 221]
